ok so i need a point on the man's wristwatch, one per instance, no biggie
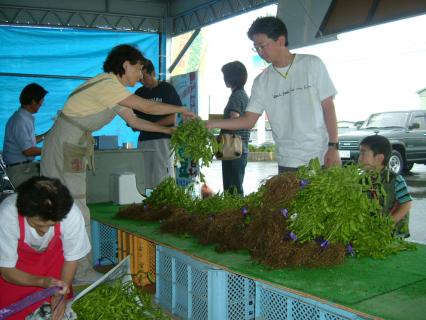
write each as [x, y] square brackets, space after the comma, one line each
[333, 145]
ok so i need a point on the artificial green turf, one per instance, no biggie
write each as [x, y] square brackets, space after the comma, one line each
[363, 284]
[408, 302]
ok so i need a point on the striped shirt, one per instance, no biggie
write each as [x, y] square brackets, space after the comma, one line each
[401, 190]
[402, 196]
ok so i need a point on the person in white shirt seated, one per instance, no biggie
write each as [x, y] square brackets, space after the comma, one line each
[42, 236]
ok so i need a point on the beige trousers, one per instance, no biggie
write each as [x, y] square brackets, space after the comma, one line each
[22, 172]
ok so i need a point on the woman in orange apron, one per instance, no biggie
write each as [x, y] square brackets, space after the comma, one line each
[45, 206]
[69, 146]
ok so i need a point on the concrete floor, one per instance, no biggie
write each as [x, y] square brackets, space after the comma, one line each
[258, 171]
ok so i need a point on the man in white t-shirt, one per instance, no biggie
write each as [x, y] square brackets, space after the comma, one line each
[297, 94]
[42, 236]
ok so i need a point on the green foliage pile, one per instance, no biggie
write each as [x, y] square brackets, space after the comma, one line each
[335, 205]
[218, 203]
[192, 140]
[331, 206]
[117, 300]
[168, 193]
[221, 202]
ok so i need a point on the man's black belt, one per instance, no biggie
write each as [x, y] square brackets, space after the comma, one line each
[18, 163]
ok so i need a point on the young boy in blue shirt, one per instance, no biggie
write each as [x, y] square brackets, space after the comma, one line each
[375, 152]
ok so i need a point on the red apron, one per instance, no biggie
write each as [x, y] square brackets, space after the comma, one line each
[48, 263]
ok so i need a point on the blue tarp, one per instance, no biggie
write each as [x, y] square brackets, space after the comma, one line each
[61, 52]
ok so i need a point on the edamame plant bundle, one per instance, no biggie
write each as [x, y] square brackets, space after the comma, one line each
[192, 140]
[117, 300]
[334, 206]
[168, 193]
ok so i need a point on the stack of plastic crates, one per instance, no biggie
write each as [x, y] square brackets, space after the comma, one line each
[104, 244]
[276, 304]
[191, 289]
[142, 257]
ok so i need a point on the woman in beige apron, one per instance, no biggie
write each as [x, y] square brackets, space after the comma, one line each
[68, 148]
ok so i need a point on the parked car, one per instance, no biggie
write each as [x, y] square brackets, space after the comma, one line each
[345, 126]
[406, 131]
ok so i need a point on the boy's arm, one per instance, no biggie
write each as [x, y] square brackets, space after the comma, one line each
[403, 200]
[400, 210]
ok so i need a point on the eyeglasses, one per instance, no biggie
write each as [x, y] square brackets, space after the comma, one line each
[261, 47]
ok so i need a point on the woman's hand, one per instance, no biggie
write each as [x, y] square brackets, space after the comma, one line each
[58, 300]
[58, 307]
[52, 282]
[169, 130]
[186, 113]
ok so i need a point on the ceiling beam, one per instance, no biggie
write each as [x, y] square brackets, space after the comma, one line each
[211, 12]
[51, 17]
[122, 18]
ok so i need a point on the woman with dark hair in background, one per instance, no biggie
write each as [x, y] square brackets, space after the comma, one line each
[235, 77]
[68, 148]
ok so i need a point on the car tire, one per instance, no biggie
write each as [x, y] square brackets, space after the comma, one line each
[396, 162]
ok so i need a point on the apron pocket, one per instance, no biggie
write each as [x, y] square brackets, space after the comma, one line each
[75, 160]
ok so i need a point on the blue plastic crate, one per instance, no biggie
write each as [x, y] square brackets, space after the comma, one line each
[104, 244]
[276, 304]
[194, 290]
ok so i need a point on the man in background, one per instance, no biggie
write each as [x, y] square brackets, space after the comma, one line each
[20, 142]
[157, 158]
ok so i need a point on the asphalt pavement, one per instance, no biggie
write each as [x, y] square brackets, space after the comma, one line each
[256, 172]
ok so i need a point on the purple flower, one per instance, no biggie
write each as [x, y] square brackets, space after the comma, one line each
[324, 244]
[145, 206]
[303, 183]
[244, 211]
[292, 236]
[350, 250]
[284, 213]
